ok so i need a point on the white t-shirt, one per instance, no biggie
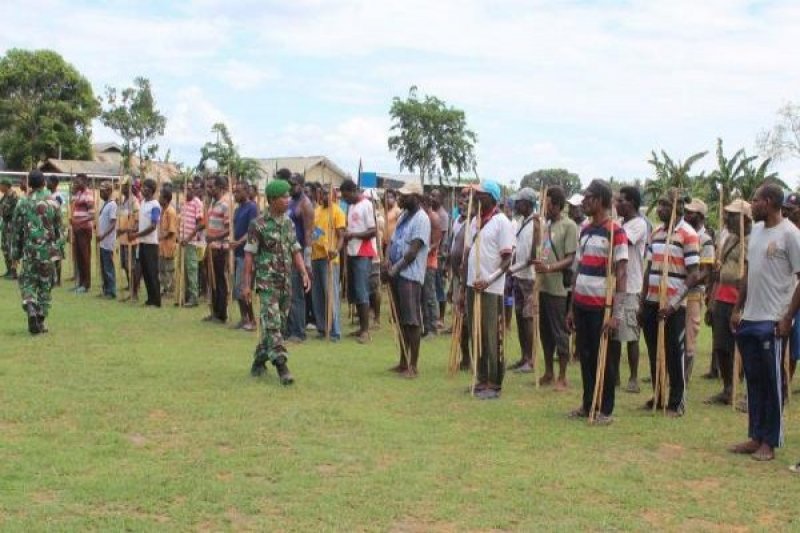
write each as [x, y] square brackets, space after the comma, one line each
[360, 218]
[637, 231]
[107, 216]
[524, 237]
[149, 213]
[496, 237]
[773, 261]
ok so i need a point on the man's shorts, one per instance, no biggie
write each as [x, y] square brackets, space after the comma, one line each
[374, 278]
[358, 273]
[794, 339]
[628, 329]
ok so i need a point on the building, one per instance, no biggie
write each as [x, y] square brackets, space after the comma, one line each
[315, 168]
[107, 163]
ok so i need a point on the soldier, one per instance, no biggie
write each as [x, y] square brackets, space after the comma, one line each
[37, 231]
[270, 251]
[7, 204]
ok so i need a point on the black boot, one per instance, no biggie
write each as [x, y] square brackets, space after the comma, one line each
[259, 367]
[33, 319]
[283, 371]
[42, 327]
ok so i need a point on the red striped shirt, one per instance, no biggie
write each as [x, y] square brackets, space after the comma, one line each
[592, 258]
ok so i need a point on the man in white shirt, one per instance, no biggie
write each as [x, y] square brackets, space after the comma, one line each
[149, 217]
[628, 202]
[106, 236]
[490, 242]
[523, 275]
[361, 250]
[763, 316]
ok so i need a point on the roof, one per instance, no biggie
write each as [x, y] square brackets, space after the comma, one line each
[99, 148]
[297, 164]
[75, 166]
[158, 170]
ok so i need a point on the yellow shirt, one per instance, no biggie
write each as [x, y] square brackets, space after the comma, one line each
[168, 224]
[324, 235]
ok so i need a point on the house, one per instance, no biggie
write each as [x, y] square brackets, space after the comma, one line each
[315, 168]
[107, 163]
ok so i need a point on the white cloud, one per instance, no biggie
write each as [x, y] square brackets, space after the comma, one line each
[189, 124]
[243, 76]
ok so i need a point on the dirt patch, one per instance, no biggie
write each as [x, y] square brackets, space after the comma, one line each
[326, 470]
[225, 448]
[654, 518]
[671, 451]
[415, 525]
[239, 521]
[137, 439]
[44, 496]
[157, 414]
[698, 524]
[704, 486]
[225, 477]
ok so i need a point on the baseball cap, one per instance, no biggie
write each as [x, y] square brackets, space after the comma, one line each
[575, 200]
[491, 188]
[696, 206]
[739, 206]
[792, 200]
[411, 188]
[525, 193]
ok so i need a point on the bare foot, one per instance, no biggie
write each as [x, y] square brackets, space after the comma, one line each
[763, 453]
[748, 447]
[561, 385]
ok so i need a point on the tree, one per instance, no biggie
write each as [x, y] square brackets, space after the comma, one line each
[549, 177]
[132, 114]
[225, 154]
[669, 174]
[755, 176]
[431, 138]
[783, 140]
[46, 108]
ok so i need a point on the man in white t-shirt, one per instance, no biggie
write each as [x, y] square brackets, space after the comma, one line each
[769, 298]
[490, 242]
[628, 202]
[523, 275]
[149, 217]
[361, 249]
[106, 237]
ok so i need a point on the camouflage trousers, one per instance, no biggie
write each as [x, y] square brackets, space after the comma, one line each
[35, 284]
[274, 310]
[5, 242]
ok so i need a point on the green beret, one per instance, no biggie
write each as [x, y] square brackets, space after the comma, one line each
[6, 182]
[277, 188]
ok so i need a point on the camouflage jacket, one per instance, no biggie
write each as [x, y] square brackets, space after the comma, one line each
[7, 205]
[272, 242]
[37, 228]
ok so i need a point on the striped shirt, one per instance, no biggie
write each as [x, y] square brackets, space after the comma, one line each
[592, 258]
[219, 218]
[683, 251]
[191, 214]
[83, 209]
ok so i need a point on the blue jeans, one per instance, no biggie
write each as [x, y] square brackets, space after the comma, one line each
[109, 275]
[296, 323]
[358, 270]
[319, 296]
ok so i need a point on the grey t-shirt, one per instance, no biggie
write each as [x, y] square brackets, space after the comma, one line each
[107, 217]
[773, 260]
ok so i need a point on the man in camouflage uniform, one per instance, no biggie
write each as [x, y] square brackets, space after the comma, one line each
[7, 204]
[270, 250]
[37, 231]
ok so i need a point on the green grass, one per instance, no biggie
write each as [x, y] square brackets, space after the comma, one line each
[139, 419]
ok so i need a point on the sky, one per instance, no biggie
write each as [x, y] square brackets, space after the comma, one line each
[591, 86]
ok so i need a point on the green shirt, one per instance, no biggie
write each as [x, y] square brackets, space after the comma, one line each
[560, 240]
[37, 228]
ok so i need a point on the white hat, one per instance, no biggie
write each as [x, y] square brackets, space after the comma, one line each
[411, 188]
[575, 200]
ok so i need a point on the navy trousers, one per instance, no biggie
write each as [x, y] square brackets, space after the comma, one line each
[761, 359]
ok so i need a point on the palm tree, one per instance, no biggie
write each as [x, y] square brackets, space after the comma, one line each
[669, 174]
[724, 182]
[755, 176]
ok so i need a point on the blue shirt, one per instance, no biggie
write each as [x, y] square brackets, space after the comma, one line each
[408, 230]
[245, 213]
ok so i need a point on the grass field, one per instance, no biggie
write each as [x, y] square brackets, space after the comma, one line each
[141, 419]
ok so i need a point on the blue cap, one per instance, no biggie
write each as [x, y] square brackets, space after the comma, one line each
[492, 188]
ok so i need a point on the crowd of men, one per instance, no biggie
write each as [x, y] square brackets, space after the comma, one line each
[585, 276]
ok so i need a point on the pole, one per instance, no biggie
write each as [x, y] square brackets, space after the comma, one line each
[537, 286]
[660, 385]
[458, 318]
[737, 355]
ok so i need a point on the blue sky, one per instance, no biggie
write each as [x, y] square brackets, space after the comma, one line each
[591, 86]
